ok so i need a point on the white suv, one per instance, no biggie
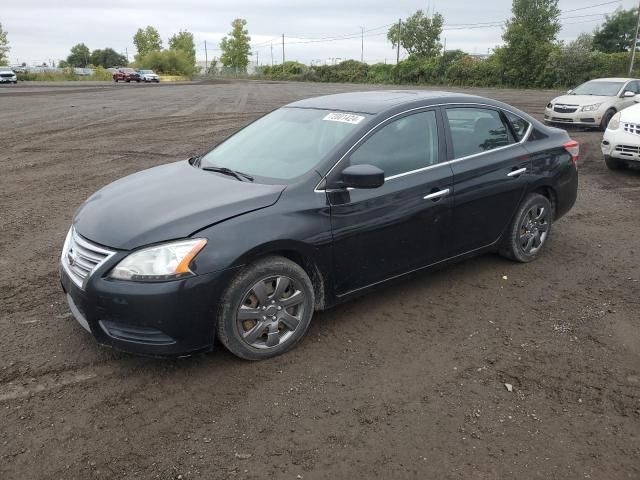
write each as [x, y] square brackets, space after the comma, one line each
[594, 103]
[7, 75]
[621, 142]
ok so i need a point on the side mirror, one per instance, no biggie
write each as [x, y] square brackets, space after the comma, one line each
[636, 99]
[628, 94]
[569, 92]
[361, 176]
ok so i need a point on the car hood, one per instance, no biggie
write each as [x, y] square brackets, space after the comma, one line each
[165, 203]
[581, 99]
[631, 114]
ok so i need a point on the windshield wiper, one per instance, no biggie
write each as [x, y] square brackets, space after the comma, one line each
[227, 171]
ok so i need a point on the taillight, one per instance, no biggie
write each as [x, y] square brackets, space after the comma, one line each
[573, 148]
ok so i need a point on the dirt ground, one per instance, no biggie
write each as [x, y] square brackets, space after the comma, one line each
[404, 383]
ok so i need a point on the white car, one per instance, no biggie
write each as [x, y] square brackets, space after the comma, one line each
[149, 76]
[593, 103]
[621, 142]
[7, 75]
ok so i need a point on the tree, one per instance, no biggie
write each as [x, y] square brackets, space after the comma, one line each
[80, 56]
[183, 41]
[4, 46]
[419, 35]
[616, 33]
[235, 48]
[529, 40]
[107, 58]
[171, 62]
[147, 40]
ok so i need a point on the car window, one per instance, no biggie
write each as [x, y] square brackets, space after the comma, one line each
[633, 87]
[404, 145]
[519, 125]
[476, 130]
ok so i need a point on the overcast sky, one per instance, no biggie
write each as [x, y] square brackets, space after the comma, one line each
[42, 30]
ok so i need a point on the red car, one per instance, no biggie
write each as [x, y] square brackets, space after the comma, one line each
[126, 75]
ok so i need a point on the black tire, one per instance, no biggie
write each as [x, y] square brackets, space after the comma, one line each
[240, 293]
[515, 245]
[606, 118]
[137, 81]
[128, 81]
[115, 80]
[614, 163]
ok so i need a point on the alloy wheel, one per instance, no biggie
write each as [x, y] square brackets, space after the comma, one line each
[270, 312]
[534, 228]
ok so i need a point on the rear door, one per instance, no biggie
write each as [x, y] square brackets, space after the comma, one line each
[489, 174]
[404, 224]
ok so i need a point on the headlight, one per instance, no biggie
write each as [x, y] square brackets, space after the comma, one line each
[614, 123]
[159, 263]
[591, 108]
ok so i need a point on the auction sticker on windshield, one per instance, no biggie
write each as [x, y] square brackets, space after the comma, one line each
[344, 117]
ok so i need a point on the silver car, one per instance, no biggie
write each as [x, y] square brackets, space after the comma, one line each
[594, 103]
[7, 75]
[149, 76]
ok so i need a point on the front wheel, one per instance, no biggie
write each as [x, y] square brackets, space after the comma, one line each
[613, 163]
[604, 123]
[266, 309]
[529, 230]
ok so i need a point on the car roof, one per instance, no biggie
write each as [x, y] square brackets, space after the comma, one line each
[378, 101]
[612, 79]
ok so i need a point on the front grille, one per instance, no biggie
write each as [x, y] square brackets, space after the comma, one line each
[565, 108]
[558, 119]
[6, 75]
[631, 128]
[628, 149]
[80, 258]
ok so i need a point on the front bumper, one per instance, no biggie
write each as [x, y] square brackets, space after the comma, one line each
[8, 79]
[578, 118]
[622, 145]
[161, 319]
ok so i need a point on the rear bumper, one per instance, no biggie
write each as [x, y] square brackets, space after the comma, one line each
[161, 319]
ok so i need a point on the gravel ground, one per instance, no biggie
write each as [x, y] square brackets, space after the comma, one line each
[408, 382]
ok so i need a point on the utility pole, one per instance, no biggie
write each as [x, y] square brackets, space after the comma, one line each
[362, 45]
[444, 49]
[283, 53]
[206, 59]
[272, 54]
[635, 42]
[126, 52]
[398, 50]
[257, 59]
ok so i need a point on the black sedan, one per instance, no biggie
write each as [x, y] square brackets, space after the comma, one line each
[308, 206]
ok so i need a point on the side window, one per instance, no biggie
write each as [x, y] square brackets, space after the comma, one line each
[633, 87]
[519, 125]
[406, 144]
[476, 130]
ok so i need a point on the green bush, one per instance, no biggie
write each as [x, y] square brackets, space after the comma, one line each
[168, 62]
[566, 66]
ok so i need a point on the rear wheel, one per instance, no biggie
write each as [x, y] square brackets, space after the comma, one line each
[530, 229]
[266, 309]
[606, 119]
[613, 163]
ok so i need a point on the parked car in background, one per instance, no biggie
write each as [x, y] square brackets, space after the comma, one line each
[594, 103]
[7, 75]
[621, 142]
[310, 205]
[149, 76]
[126, 75]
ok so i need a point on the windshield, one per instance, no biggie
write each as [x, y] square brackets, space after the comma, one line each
[606, 89]
[285, 143]
[145, 71]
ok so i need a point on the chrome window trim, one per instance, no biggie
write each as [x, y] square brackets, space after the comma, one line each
[428, 167]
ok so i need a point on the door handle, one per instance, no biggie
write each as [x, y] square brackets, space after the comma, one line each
[437, 195]
[516, 173]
